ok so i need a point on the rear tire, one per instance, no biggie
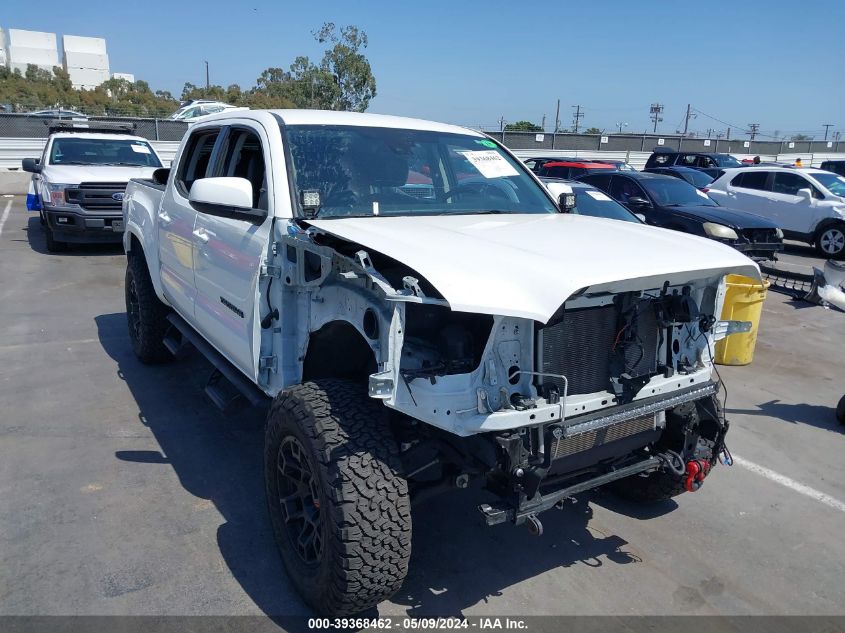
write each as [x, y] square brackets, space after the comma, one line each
[840, 410]
[146, 315]
[830, 241]
[53, 245]
[339, 508]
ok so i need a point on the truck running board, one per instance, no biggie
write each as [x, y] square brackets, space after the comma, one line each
[224, 372]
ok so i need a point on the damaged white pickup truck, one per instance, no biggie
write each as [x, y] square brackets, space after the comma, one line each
[424, 315]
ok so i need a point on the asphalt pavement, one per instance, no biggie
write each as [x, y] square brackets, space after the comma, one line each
[123, 490]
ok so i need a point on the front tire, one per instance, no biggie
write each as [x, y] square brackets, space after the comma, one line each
[146, 315]
[840, 410]
[339, 508]
[54, 245]
[830, 241]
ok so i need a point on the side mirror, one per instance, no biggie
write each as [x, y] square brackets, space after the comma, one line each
[161, 175]
[221, 193]
[806, 193]
[641, 217]
[637, 201]
[32, 165]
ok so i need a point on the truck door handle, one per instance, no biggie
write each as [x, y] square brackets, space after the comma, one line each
[164, 218]
[201, 235]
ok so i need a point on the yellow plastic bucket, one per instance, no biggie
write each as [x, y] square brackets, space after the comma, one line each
[743, 302]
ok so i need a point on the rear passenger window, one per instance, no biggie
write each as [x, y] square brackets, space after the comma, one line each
[556, 172]
[688, 160]
[195, 159]
[751, 180]
[245, 159]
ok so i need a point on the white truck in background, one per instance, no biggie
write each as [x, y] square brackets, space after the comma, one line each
[79, 181]
[421, 314]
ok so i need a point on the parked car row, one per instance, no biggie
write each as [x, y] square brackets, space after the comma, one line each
[751, 207]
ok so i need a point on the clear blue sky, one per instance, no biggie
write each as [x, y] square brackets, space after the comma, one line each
[773, 62]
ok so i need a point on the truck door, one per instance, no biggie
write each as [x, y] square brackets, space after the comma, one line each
[229, 248]
[176, 219]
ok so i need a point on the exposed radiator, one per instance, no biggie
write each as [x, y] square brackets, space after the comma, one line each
[580, 345]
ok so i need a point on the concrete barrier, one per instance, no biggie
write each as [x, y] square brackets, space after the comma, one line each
[16, 182]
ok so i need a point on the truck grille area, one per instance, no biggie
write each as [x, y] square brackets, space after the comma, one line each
[566, 446]
[589, 346]
[98, 196]
[760, 236]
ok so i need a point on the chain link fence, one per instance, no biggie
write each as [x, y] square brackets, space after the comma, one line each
[33, 126]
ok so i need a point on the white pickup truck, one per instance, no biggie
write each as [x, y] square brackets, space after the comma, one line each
[423, 315]
[78, 182]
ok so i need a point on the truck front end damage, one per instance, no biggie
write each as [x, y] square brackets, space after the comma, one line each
[614, 385]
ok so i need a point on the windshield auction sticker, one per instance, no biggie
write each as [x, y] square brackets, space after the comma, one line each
[598, 195]
[490, 163]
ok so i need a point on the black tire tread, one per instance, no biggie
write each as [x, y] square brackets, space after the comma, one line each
[657, 486]
[369, 510]
[840, 410]
[53, 245]
[150, 348]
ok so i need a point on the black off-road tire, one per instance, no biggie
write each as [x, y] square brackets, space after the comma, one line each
[840, 410]
[362, 512]
[53, 245]
[146, 315]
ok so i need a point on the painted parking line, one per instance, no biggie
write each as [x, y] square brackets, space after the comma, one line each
[783, 480]
[5, 215]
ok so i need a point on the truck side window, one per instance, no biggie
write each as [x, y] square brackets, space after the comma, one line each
[194, 163]
[245, 159]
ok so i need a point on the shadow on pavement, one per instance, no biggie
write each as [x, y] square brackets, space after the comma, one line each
[38, 242]
[216, 458]
[456, 562]
[820, 416]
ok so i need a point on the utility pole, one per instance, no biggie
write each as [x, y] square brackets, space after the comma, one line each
[543, 124]
[557, 117]
[654, 111]
[687, 118]
[576, 118]
[826, 126]
[207, 82]
[502, 123]
[753, 129]
[709, 131]
[728, 137]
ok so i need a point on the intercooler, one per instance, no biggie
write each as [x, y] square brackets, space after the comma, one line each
[592, 345]
[565, 446]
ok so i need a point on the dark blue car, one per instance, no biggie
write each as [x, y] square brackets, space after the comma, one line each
[672, 203]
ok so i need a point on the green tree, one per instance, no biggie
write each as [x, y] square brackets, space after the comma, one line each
[800, 137]
[592, 130]
[523, 126]
[350, 70]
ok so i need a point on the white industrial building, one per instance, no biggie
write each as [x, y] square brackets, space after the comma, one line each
[86, 61]
[30, 47]
[84, 58]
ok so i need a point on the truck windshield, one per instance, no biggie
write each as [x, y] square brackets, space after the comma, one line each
[366, 171]
[101, 151]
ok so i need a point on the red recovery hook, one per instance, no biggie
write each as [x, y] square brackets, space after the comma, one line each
[697, 470]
